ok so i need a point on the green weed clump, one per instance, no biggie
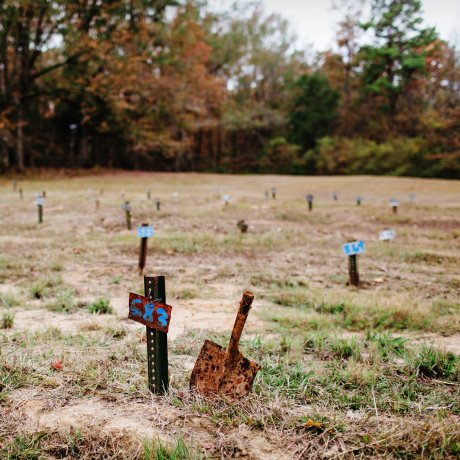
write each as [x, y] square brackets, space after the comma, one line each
[434, 363]
[64, 302]
[100, 307]
[7, 321]
[179, 451]
[23, 447]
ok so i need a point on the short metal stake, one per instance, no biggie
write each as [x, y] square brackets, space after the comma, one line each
[242, 225]
[353, 270]
[358, 201]
[14, 185]
[20, 193]
[157, 341]
[157, 201]
[97, 203]
[40, 213]
[148, 194]
[267, 194]
[44, 194]
[395, 210]
[310, 202]
[273, 193]
[128, 215]
[143, 252]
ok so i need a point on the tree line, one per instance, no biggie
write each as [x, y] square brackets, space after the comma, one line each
[174, 85]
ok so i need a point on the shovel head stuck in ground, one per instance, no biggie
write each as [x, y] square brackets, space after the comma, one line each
[220, 370]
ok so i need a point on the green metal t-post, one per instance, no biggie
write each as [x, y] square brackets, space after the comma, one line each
[157, 341]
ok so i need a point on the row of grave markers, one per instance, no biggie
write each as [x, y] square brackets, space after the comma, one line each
[226, 198]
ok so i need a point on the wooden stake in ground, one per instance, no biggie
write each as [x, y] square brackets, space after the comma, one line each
[20, 193]
[143, 233]
[152, 311]
[157, 201]
[274, 193]
[352, 249]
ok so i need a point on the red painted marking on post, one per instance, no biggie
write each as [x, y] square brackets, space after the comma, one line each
[150, 312]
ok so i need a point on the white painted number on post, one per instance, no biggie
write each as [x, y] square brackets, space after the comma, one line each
[144, 232]
[355, 247]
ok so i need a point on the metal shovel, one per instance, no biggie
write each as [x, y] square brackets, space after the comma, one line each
[220, 370]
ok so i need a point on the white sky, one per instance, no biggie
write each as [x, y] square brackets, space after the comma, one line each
[314, 22]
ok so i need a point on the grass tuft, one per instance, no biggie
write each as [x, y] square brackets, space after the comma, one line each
[100, 306]
[7, 321]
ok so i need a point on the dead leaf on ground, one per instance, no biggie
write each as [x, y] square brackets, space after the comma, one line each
[57, 364]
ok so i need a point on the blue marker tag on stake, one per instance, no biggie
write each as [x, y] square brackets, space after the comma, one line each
[144, 232]
[355, 247]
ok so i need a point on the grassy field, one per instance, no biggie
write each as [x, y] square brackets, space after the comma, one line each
[372, 372]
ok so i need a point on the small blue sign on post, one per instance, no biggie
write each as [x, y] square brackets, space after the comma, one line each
[355, 247]
[144, 232]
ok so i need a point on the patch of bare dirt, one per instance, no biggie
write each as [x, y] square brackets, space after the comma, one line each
[136, 420]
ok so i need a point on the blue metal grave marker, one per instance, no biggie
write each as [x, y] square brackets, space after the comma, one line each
[355, 247]
[144, 232]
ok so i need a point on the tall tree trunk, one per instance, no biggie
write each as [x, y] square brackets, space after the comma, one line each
[5, 154]
[20, 137]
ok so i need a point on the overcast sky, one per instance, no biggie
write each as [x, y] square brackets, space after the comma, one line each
[315, 23]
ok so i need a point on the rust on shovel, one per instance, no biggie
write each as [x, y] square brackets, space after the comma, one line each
[220, 370]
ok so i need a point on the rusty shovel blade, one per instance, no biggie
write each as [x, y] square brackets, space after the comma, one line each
[220, 370]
